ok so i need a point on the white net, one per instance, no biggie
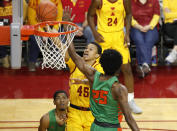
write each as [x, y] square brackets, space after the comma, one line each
[54, 48]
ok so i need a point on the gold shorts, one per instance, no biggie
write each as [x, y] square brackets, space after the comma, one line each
[79, 120]
[115, 40]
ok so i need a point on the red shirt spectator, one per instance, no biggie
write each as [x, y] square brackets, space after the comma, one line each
[78, 8]
[144, 17]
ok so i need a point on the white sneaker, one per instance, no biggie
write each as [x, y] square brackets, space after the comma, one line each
[171, 58]
[140, 72]
[146, 69]
[134, 108]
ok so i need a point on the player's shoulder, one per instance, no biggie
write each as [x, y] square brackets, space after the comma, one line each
[45, 118]
[118, 87]
[44, 122]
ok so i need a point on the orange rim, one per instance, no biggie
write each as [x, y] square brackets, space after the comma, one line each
[48, 34]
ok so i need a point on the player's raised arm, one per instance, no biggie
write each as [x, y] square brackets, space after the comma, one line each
[121, 94]
[80, 63]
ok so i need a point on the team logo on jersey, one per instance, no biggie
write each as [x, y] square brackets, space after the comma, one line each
[112, 14]
[112, 8]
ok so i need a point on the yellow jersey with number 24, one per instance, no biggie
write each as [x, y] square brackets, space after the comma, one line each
[110, 17]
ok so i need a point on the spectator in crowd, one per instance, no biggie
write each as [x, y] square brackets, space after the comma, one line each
[80, 9]
[170, 15]
[5, 19]
[32, 19]
[144, 33]
[55, 119]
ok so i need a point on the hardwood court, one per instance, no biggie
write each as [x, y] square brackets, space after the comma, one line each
[26, 96]
[24, 114]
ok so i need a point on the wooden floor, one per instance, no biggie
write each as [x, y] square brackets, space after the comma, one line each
[24, 114]
[25, 96]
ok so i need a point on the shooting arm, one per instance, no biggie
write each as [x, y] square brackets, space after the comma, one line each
[87, 70]
[122, 95]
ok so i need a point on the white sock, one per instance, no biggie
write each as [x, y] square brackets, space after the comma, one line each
[130, 96]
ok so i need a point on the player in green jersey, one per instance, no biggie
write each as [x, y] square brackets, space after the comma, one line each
[55, 119]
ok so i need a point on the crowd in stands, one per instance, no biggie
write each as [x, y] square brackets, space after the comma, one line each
[6, 20]
[144, 32]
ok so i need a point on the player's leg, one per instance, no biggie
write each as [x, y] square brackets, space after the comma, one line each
[126, 70]
[129, 83]
[87, 119]
[74, 121]
[115, 41]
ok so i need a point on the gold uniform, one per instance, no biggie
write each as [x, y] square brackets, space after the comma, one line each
[79, 119]
[110, 23]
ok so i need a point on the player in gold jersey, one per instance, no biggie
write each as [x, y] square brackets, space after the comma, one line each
[110, 34]
[79, 115]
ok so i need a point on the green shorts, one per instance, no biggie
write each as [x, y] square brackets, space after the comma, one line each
[95, 127]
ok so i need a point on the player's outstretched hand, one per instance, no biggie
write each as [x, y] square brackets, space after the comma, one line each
[67, 14]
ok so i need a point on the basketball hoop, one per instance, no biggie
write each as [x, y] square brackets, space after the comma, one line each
[53, 45]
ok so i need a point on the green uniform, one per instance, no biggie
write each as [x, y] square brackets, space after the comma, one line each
[103, 106]
[53, 125]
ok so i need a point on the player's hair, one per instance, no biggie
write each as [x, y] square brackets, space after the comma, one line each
[111, 61]
[58, 92]
[99, 49]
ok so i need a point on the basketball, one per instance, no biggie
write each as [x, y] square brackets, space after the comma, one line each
[46, 11]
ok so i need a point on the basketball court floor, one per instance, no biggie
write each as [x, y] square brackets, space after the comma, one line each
[26, 96]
